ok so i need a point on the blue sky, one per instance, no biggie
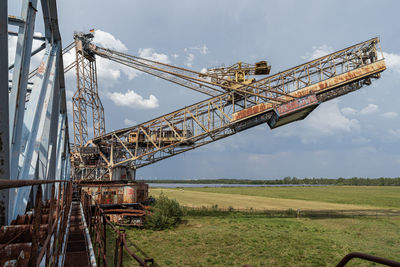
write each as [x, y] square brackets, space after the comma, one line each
[355, 135]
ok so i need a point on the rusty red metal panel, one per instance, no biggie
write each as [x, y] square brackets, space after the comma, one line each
[117, 193]
[20, 233]
[296, 104]
[129, 194]
[15, 254]
[342, 79]
[251, 111]
[316, 88]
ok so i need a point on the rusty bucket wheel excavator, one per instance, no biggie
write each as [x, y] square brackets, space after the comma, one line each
[55, 197]
[106, 165]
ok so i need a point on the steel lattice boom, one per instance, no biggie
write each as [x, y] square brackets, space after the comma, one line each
[205, 83]
[277, 100]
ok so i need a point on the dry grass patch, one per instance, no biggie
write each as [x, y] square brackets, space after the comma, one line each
[223, 200]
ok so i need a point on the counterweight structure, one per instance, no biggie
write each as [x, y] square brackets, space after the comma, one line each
[237, 103]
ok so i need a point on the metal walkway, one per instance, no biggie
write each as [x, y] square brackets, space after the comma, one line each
[76, 253]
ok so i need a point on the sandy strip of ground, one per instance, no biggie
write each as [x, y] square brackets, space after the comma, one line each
[199, 199]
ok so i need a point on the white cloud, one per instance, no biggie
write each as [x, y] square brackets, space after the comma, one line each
[69, 94]
[329, 119]
[392, 61]
[69, 107]
[390, 115]
[151, 54]
[203, 49]
[12, 45]
[370, 109]
[174, 56]
[349, 111]
[128, 122]
[189, 60]
[107, 40]
[318, 51]
[108, 72]
[133, 100]
[69, 58]
[326, 120]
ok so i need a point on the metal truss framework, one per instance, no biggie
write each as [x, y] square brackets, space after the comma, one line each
[38, 125]
[86, 98]
[206, 83]
[239, 107]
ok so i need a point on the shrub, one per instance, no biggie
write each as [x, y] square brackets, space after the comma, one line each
[166, 213]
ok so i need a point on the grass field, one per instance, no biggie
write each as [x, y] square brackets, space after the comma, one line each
[237, 238]
[320, 197]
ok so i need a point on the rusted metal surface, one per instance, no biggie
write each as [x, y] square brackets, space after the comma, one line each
[36, 226]
[117, 193]
[15, 254]
[28, 219]
[127, 211]
[344, 78]
[21, 234]
[76, 253]
[252, 121]
[294, 110]
[97, 220]
[218, 117]
[367, 257]
[142, 262]
[6, 184]
[318, 88]
[27, 240]
[251, 111]
[296, 104]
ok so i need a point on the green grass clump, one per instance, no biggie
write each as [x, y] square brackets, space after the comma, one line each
[166, 213]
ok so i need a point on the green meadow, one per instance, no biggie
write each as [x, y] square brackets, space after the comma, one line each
[238, 238]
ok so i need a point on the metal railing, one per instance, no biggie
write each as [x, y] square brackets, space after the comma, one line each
[367, 257]
[97, 222]
[41, 235]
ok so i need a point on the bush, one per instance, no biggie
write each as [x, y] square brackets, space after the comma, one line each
[166, 213]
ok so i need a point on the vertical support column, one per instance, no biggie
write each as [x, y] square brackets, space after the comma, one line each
[38, 115]
[20, 81]
[4, 123]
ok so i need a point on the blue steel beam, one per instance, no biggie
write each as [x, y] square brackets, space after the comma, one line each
[39, 112]
[4, 124]
[34, 52]
[20, 80]
[40, 142]
[38, 124]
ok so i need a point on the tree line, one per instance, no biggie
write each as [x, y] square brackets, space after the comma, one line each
[289, 180]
